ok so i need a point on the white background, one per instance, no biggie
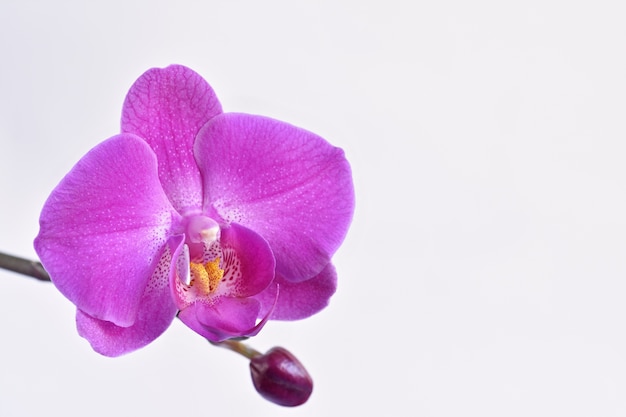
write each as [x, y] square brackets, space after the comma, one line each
[484, 274]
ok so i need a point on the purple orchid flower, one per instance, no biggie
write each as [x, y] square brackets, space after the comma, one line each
[224, 219]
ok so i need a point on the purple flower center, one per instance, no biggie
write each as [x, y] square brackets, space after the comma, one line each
[204, 260]
[205, 277]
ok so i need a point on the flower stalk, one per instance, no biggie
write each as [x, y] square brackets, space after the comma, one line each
[237, 346]
[23, 266]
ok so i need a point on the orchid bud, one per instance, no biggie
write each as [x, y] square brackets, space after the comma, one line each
[280, 378]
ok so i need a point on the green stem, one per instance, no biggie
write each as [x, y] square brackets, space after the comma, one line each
[237, 346]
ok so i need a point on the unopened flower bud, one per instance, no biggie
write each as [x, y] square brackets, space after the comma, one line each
[280, 378]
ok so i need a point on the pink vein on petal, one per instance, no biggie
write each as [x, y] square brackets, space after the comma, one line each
[167, 107]
[287, 184]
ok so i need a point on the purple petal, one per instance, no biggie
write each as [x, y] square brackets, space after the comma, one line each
[249, 262]
[103, 228]
[227, 318]
[155, 314]
[298, 300]
[167, 107]
[289, 185]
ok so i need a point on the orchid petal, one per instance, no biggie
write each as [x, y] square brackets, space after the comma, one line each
[287, 184]
[156, 312]
[298, 300]
[224, 319]
[167, 107]
[248, 260]
[103, 228]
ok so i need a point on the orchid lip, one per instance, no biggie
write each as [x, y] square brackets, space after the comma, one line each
[197, 279]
